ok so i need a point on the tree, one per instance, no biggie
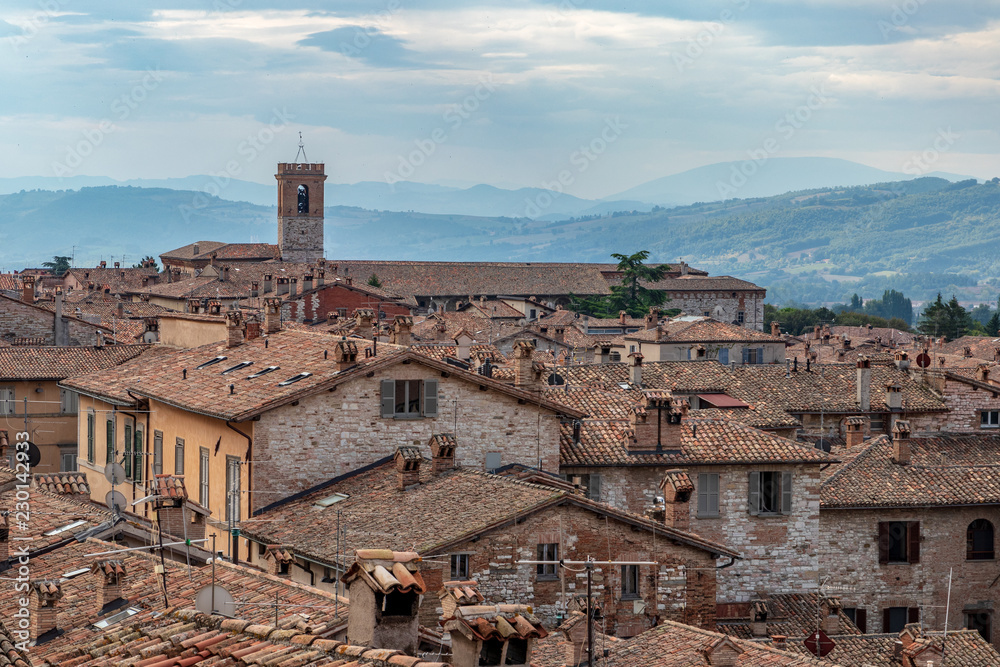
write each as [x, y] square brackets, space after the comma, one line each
[993, 325]
[374, 281]
[59, 265]
[631, 295]
[148, 262]
[944, 319]
[892, 304]
[856, 303]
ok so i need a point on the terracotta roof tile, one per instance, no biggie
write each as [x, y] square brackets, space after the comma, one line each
[965, 648]
[788, 614]
[56, 363]
[69, 483]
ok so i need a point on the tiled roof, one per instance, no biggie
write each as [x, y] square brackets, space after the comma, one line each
[169, 486]
[205, 249]
[10, 654]
[442, 350]
[556, 649]
[682, 645]
[693, 283]
[444, 327]
[187, 637]
[387, 571]
[11, 282]
[54, 514]
[964, 648]
[223, 251]
[494, 308]
[943, 470]
[56, 363]
[472, 500]
[112, 384]
[63, 483]
[702, 330]
[788, 614]
[118, 280]
[502, 621]
[861, 334]
[704, 442]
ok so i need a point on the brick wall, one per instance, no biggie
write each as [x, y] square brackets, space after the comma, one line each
[722, 306]
[848, 550]
[335, 432]
[316, 305]
[779, 552]
[20, 320]
[681, 588]
[965, 402]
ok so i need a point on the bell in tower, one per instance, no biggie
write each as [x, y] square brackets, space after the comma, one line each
[300, 208]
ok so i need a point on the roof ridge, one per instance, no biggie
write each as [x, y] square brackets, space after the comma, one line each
[863, 455]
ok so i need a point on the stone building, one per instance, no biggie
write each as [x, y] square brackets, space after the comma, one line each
[472, 525]
[703, 339]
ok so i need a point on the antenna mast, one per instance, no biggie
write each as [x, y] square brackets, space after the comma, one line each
[302, 151]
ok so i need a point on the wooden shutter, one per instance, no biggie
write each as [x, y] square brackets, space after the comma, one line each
[594, 489]
[746, 355]
[913, 615]
[430, 388]
[885, 620]
[861, 620]
[703, 493]
[786, 493]
[753, 500]
[760, 355]
[90, 437]
[139, 458]
[128, 451]
[109, 456]
[883, 545]
[388, 398]
[913, 542]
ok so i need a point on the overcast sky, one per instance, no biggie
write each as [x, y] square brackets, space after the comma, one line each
[505, 93]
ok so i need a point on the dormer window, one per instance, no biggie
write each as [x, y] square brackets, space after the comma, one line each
[212, 362]
[294, 379]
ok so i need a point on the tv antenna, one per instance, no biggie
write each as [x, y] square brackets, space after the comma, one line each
[302, 150]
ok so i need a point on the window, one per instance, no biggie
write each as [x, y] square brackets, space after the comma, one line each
[631, 349]
[69, 402]
[894, 619]
[203, 477]
[740, 317]
[109, 455]
[212, 362]
[708, 494]
[615, 356]
[179, 457]
[724, 356]
[138, 458]
[67, 461]
[491, 653]
[630, 582]
[753, 355]
[409, 399]
[979, 542]
[233, 489]
[460, 566]
[858, 616]
[7, 404]
[128, 450]
[492, 461]
[989, 419]
[770, 493]
[547, 552]
[303, 196]
[91, 417]
[517, 651]
[979, 620]
[157, 452]
[898, 542]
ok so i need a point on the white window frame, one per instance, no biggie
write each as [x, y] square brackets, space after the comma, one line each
[989, 419]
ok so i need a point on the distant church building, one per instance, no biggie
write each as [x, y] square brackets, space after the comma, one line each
[300, 210]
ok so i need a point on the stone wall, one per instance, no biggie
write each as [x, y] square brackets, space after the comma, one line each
[335, 432]
[318, 303]
[21, 320]
[721, 305]
[848, 551]
[965, 402]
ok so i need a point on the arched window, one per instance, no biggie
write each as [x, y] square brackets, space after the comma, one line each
[979, 541]
[303, 199]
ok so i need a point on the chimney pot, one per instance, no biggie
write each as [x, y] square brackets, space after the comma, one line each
[407, 461]
[45, 594]
[524, 373]
[864, 381]
[901, 442]
[635, 369]
[442, 452]
[109, 580]
[272, 315]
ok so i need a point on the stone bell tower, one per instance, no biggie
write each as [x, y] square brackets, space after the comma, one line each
[300, 208]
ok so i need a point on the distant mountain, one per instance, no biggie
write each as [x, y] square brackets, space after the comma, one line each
[747, 179]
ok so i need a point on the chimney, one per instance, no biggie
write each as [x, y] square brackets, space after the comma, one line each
[279, 560]
[196, 250]
[234, 328]
[345, 354]
[61, 327]
[407, 467]
[775, 328]
[267, 283]
[758, 618]
[365, 318]
[118, 265]
[652, 317]
[104, 265]
[901, 442]
[442, 452]
[293, 286]
[4, 526]
[635, 369]
[463, 345]
[894, 396]
[349, 279]
[831, 615]
[27, 288]
[684, 268]
[902, 360]
[816, 334]
[320, 278]
[559, 334]
[855, 428]
[385, 588]
[211, 258]
[779, 642]
[524, 374]
[109, 582]
[724, 652]
[45, 594]
[120, 310]
[602, 352]
[272, 315]
[622, 317]
[657, 424]
[282, 285]
[402, 325]
[254, 289]
[677, 489]
[983, 373]
[864, 382]
[307, 282]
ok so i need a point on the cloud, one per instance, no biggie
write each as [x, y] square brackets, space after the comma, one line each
[366, 43]
[9, 30]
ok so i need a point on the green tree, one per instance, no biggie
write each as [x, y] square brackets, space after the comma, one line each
[59, 265]
[944, 319]
[631, 295]
[374, 281]
[993, 325]
[892, 304]
[856, 303]
[147, 262]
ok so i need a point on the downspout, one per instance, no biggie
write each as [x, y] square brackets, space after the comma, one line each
[732, 561]
[249, 461]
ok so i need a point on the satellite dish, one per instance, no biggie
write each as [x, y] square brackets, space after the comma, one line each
[115, 500]
[114, 473]
[224, 603]
[34, 455]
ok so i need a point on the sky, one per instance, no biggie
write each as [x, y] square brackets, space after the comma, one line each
[605, 95]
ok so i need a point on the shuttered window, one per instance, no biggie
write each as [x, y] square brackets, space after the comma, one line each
[109, 443]
[138, 464]
[91, 417]
[769, 493]
[708, 494]
[128, 451]
[157, 452]
[898, 542]
[409, 399]
[894, 619]
[7, 404]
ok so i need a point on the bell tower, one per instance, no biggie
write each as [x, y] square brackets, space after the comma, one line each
[300, 208]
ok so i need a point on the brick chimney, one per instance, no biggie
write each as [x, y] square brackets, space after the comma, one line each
[407, 461]
[864, 382]
[635, 369]
[272, 315]
[983, 373]
[345, 354]
[109, 582]
[894, 396]
[279, 560]
[524, 374]
[120, 310]
[234, 328]
[901, 442]
[402, 326]
[855, 428]
[104, 265]
[831, 615]
[602, 352]
[622, 317]
[4, 537]
[254, 289]
[677, 489]
[268, 278]
[779, 642]
[27, 288]
[45, 595]
[724, 652]
[365, 317]
[320, 277]
[652, 317]
[559, 334]
[442, 452]
[758, 618]
[657, 424]
[307, 282]
[775, 328]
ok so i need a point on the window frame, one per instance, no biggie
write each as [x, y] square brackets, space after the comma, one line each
[234, 489]
[138, 454]
[109, 440]
[460, 567]
[427, 399]
[204, 471]
[989, 419]
[630, 582]
[782, 490]
[157, 453]
[179, 456]
[91, 434]
[896, 534]
[971, 554]
[547, 551]
[912, 616]
[69, 402]
[8, 400]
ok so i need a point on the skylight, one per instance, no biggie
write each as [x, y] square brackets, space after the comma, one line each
[263, 371]
[212, 362]
[330, 500]
[237, 367]
[63, 529]
[294, 379]
[116, 618]
[76, 573]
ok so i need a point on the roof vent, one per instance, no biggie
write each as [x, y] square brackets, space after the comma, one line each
[294, 379]
[263, 371]
[237, 367]
[212, 362]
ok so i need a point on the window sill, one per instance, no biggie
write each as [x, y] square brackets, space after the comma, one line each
[547, 577]
[630, 597]
[707, 516]
[768, 515]
[405, 417]
[980, 560]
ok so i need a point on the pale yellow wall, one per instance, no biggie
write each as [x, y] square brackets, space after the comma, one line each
[48, 427]
[190, 333]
